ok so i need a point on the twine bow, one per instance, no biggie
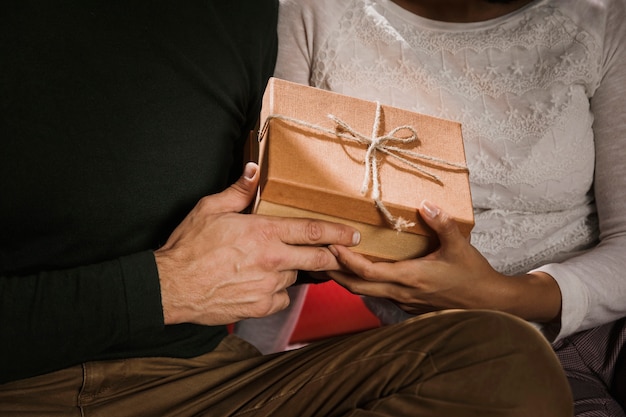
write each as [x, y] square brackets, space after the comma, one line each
[376, 143]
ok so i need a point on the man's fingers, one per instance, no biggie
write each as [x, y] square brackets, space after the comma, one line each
[296, 231]
[293, 231]
[308, 258]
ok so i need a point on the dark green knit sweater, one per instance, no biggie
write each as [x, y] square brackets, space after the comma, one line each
[115, 118]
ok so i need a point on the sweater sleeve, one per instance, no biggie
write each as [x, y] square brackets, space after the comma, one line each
[593, 285]
[111, 138]
[51, 315]
[294, 55]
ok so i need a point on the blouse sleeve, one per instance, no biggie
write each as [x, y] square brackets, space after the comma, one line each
[303, 27]
[593, 285]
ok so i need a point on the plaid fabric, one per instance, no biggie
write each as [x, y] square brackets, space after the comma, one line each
[619, 379]
[589, 359]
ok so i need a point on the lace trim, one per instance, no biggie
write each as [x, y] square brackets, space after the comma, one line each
[522, 100]
[486, 70]
[502, 246]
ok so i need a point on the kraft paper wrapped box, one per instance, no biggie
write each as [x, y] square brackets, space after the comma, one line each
[317, 161]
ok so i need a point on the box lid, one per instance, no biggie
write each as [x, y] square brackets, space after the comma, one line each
[309, 161]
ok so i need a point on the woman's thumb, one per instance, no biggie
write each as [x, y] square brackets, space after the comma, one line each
[446, 228]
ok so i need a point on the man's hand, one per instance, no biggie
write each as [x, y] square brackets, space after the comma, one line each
[220, 266]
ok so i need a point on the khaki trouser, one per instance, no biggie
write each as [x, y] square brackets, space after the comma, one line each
[455, 363]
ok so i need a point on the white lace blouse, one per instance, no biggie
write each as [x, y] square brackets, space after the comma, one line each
[541, 95]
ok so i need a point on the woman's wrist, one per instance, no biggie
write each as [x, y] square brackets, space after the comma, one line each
[535, 297]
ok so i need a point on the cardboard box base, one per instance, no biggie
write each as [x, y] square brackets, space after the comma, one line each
[387, 244]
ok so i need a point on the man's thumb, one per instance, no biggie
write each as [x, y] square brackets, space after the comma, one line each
[240, 194]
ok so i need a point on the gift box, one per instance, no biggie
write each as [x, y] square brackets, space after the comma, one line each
[329, 156]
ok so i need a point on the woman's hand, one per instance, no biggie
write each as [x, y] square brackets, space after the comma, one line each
[455, 275]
